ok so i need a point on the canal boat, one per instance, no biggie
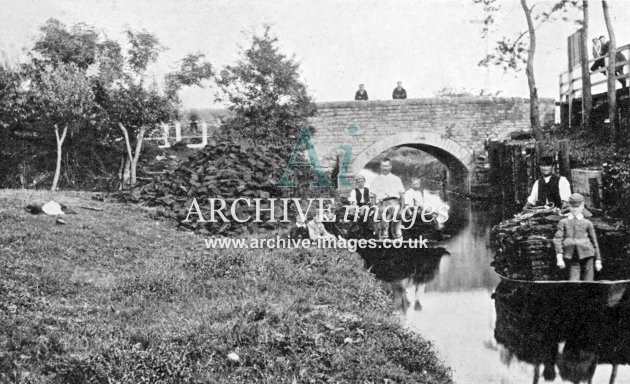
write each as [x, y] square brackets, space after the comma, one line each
[548, 323]
[524, 250]
[573, 294]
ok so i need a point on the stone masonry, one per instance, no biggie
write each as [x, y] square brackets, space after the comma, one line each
[450, 129]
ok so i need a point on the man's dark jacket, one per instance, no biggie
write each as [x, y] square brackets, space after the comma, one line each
[361, 96]
[399, 93]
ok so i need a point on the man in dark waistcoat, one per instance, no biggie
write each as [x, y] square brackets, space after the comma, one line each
[399, 92]
[361, 94]
[360, 196]
[549, 188]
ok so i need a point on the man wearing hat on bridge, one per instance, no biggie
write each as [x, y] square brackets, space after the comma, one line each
[549, 188]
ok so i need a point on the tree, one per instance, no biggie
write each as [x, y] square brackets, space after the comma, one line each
[79, 45]
[612, 86]
[264, 89]
[16, 108]
[135, 106]
[64, 98]
[118, 94]
[510, 53]
[92, 52]
[587, 98]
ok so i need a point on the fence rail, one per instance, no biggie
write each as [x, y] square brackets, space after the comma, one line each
[198, 130]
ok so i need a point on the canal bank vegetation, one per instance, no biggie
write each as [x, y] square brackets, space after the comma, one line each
[114, 296]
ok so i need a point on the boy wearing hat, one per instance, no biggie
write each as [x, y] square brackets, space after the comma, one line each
[576, 243]
[549, 188]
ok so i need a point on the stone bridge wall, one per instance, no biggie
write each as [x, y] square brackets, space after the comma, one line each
[449, 128]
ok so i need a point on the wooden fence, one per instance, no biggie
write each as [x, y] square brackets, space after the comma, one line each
[514, 167]
[187, 132]
[570, 83]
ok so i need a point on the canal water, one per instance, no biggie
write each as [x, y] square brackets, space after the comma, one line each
[447, 297]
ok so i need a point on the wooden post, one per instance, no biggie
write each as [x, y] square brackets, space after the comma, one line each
[165, 130]
[612, 82]
[593, 189]
[587, 99]
[564, 152]
[515, 153]
[204, 133]
[570, 99]
[493, 160]
[178, 132]
[520, 175]
[613, 374]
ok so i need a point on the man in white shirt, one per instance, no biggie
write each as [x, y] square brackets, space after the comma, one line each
[549, 188]
[389, 191]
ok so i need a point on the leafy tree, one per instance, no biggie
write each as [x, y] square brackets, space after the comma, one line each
[264, 88]
[64, 99]
[16, 107]
[126, 100]
[14, 101]
[513, 53]
[92, 52]
[79, 45]
[134, 105]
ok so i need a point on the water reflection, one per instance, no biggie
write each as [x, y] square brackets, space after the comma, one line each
[405, 273]
[567, 330]
[509, 340]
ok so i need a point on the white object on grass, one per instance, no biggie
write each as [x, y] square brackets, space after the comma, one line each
[52, 208]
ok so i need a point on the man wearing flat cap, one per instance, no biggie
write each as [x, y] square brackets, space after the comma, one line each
[549, 188]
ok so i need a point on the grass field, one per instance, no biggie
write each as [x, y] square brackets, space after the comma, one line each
[114, 296]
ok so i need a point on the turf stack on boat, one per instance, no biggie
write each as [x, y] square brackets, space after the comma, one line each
[524, 246]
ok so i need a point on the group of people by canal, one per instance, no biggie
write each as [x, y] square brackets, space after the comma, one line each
[384, 201]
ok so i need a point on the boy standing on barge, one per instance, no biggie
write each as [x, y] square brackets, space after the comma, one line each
[576, 243]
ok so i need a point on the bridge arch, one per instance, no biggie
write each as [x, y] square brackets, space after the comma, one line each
[457, 159]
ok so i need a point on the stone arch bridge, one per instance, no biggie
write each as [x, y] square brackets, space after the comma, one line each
[450, 129]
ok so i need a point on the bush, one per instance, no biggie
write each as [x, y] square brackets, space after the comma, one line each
[616, 188]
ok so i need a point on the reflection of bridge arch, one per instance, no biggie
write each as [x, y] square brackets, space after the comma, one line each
[457, 159]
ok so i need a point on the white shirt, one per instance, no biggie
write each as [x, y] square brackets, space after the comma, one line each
[353, 196]
[414, 198]
[563, 186]
[384, 186]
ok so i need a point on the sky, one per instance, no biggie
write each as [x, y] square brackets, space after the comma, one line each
[426, 44]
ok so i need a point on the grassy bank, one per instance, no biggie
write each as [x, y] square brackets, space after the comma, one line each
[115, 297]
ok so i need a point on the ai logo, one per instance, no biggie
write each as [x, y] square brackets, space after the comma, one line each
[322, 181]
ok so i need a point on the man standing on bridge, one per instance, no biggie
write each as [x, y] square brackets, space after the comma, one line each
[361, 94]
[399, 92]
[549, 188]
[389, 191]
